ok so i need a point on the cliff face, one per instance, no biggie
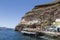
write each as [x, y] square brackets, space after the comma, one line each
[40, 16]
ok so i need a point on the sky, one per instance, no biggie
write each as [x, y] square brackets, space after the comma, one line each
[11, 11]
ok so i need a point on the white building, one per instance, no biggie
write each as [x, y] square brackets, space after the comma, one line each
[57, 22]
[57, 25]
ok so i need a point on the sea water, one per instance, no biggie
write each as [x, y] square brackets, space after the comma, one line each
[10, 34]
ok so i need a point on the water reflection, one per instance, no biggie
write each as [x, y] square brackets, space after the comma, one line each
[32, 37]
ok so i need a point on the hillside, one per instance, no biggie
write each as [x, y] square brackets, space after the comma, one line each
[40, 16]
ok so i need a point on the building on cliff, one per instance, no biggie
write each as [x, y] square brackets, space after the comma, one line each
[41, 16]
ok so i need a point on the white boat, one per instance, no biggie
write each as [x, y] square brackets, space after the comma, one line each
[28, 31]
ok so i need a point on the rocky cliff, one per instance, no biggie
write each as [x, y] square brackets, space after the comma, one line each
[40, 16]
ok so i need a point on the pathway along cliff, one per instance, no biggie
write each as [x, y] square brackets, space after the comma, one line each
[41, 16]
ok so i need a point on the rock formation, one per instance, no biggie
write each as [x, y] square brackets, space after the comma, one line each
[40, 16]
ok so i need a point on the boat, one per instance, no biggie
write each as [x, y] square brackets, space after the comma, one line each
[28, 31]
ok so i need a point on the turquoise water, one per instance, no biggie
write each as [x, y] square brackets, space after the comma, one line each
[9, 34]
